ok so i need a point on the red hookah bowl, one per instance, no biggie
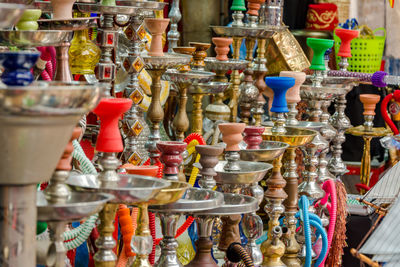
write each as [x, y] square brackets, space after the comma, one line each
[346, 36]
[252, 136]
[109, 111]
[141, 170]
[171, 155]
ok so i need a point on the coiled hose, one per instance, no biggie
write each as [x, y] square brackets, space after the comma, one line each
[310, 219]
[330, 188]
[237, 254]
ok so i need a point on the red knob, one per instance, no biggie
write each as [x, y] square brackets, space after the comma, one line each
[110, 111]
[345, 36]
[252, 136]
[171, 155]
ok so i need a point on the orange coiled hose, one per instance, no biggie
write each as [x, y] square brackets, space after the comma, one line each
[125, 220]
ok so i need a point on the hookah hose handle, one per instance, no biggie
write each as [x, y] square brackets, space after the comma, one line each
[385, 115]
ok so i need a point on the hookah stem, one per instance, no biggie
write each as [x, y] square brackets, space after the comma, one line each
[366, 162]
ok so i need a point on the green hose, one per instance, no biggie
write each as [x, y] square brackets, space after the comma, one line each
[81, 233]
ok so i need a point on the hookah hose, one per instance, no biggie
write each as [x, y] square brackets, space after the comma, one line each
[236, 253]
[385, 115]
[312, 220]
[128, 226]
[47, 57]
[330, 188]
[152, 217]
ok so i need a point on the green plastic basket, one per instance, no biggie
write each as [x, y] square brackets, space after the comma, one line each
[366, 53]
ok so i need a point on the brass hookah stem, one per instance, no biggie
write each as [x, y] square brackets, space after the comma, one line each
[235, 80]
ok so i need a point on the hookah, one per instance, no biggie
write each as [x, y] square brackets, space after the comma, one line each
[107, 34]
[57, 206]
[134, 125]
[271, 20]
[28, 121]
[294, 137]
[237, 32]
[260, 151]
[194, 200]
[221, 64]
[183, 79]
[126, 189]
[234, 204]
[236, 176]
[367, 131]
[63, 20]
[157, 63]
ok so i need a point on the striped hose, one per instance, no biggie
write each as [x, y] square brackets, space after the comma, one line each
[237, 253]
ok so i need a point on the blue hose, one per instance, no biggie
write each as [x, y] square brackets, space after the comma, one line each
[312, 216]
[306, 226]
[324, 250]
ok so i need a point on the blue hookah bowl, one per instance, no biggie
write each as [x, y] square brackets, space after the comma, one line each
[17, 67]
[279, 85]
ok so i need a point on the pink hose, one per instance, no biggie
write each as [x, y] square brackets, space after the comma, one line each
[330, 189]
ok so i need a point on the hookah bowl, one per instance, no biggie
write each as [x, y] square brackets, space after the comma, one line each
[28, 20]
[367, 132]
[346, 36]
[293, 95]
[208, 160]
[279, 85]
[126, 189]
[37, 122]
[183, 80]
[199, 55]
[17, 67]
[194, 200]
[171, 157]
[234, 204]
[235, 176]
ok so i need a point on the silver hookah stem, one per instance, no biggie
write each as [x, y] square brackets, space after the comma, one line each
[134, 124]
[173, 34]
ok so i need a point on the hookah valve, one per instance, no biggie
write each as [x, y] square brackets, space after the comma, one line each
[369, 101]
[279, 85]
[232, 136]
[252, 136]
[171, 157]
[319, 47]
[293, 94]
[346, 36]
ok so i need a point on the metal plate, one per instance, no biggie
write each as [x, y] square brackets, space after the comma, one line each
[250, 173]
[34, 38]
[78, 206]
[169, 60]
[74, 24]
[268, 151]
